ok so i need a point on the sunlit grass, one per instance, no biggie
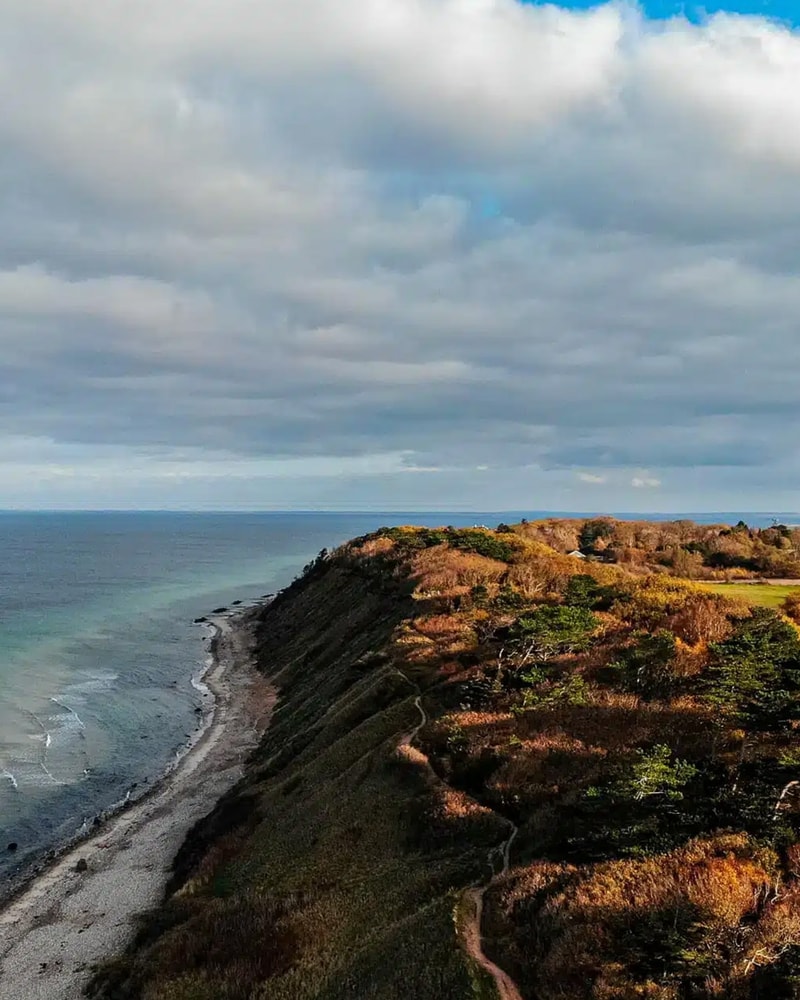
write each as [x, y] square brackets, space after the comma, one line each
[765, 595]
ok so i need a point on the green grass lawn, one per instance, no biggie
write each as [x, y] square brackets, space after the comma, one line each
[766, 595]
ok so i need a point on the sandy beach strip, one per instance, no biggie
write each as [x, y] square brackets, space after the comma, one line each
[65, 921]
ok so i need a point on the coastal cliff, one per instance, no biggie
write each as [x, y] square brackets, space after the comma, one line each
[496, 771]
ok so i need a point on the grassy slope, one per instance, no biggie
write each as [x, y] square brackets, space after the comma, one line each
[765, 595]
[331, 872]
[337, 868]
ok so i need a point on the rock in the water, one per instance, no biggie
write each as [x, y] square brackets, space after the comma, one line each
[219, 611]
[13, 846]
[82, 865]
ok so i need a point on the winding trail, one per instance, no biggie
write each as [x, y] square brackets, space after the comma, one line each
[507, 989]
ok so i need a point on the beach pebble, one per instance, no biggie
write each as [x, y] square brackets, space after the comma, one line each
[82, 865]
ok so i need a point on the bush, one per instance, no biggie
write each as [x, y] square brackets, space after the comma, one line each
[654, 774]
[484, 543]
[791, 606]
[583, 591]
[549, 631]
[647, 666]
[755, 674]
[571, 690]
[509, 599]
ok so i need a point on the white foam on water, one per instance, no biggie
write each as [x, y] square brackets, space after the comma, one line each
[198, 682]
[10, 776]
[30, 774]
[93, 684]
[71, 711]
[51, 776]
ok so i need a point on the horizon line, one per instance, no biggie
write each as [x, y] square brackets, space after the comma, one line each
[596, 512]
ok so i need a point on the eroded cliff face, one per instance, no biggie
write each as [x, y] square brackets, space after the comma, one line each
[335, 868]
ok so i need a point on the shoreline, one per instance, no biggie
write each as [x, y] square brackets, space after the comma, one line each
[61, 921]
[22, 879]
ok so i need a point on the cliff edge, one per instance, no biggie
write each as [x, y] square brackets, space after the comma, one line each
[496, 770]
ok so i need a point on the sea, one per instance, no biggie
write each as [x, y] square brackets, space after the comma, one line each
[101, 660]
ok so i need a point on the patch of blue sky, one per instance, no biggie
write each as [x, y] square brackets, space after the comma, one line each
[787, 11]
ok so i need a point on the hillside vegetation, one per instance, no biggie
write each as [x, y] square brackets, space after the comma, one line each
[682, 548]
[442, 687]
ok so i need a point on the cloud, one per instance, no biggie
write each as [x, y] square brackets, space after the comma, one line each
[260, 235]
[645, 481]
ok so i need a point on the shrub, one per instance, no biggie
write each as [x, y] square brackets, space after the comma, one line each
[549, 631]
[509, 599]
[484, 543]
[571, 690]
[755, 673]
[791, 606]
[583, 591]
[646, 667]
[654, 774]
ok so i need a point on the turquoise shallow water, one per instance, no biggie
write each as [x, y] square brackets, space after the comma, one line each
[98, 652]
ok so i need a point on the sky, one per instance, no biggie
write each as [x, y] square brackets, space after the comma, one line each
[399, 254]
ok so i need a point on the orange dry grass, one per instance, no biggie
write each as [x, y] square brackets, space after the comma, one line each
[455, 805]
[588, 923]
[483, 722]
[376, 546]
[436, 641]
[442, 571]
[618, 721]
[550, 765]
[445, 628]
[412, 755]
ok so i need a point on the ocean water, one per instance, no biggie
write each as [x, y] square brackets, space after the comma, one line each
[99, 658]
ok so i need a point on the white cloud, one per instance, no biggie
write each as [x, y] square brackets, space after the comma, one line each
[473, 233]
[644, 481]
